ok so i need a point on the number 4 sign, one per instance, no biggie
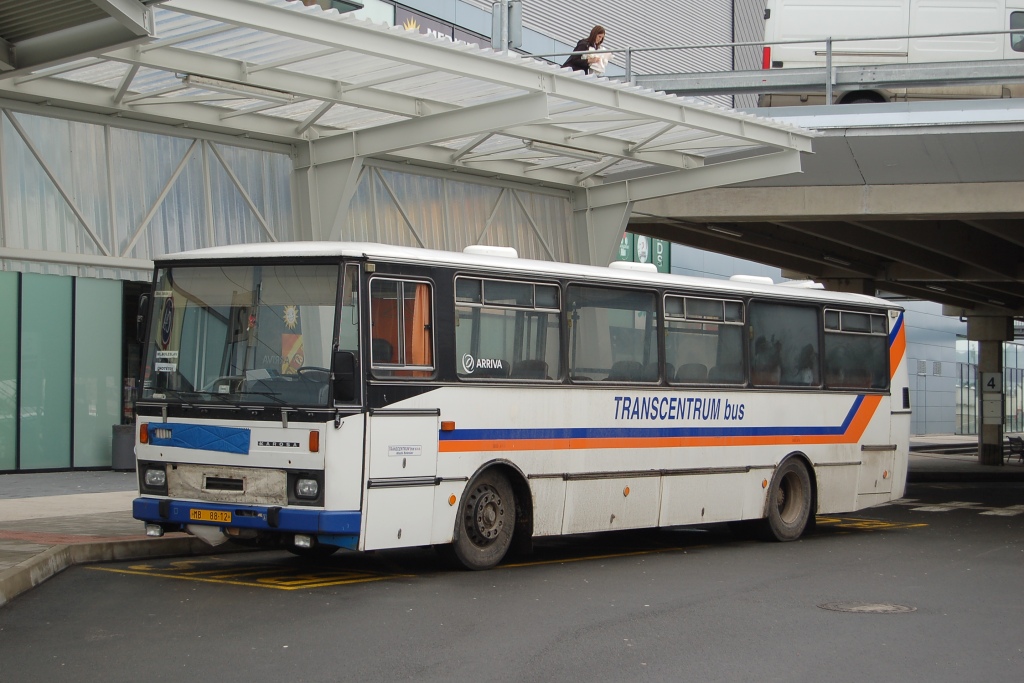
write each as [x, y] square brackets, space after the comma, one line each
[991, 382]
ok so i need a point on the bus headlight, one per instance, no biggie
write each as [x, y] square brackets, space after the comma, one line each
[156, 477]
[307, 488]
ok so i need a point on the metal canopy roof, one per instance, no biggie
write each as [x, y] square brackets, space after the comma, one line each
[283, 72]
[41, 32]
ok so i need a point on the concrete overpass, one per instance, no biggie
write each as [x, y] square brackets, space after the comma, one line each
[919, 199]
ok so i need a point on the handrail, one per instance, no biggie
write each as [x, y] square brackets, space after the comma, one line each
[829, 41]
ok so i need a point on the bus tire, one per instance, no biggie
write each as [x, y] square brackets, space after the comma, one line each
[485, 522]
[789, 502]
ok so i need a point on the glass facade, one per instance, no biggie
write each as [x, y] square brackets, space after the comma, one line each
[60, 370]
[8, 371]
[45, 386]
[98, 390]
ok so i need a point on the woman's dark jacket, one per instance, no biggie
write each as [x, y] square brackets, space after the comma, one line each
[579, 62]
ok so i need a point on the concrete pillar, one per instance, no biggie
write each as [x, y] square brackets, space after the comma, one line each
[990, 332]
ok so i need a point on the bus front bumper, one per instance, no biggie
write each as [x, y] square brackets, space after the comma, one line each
[274, 520]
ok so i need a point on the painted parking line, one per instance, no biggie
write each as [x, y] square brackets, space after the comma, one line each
[275, 576]
[916, 505]
[865, 524]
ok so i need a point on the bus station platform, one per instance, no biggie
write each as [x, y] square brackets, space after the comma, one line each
[51, 521]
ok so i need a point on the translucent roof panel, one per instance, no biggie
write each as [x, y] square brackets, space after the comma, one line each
[281, 71]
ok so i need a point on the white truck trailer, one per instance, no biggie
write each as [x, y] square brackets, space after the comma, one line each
[889, 26]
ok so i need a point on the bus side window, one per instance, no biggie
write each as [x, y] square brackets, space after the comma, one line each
[856, 350]
[704, 339]
[784, 345]
[506, 330]
[401, 328]
[612, 334]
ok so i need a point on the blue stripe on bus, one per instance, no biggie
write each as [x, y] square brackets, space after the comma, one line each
[645, 432]
[201, 437]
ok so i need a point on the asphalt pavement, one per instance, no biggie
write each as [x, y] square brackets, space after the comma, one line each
[51, 521]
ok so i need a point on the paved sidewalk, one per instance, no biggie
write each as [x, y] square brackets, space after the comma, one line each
[51, 521]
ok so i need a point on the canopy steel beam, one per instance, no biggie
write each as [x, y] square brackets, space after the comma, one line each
[127, 22]
[175, 60]
[435, 128]
[94, 98]
[678, 182]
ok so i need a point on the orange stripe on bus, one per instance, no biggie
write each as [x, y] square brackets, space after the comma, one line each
[852, 435]
[898, 348]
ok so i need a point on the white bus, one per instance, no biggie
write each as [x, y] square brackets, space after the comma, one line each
[317, 396]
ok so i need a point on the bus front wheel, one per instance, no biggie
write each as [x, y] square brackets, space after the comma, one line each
[789, 502]
[485, 522]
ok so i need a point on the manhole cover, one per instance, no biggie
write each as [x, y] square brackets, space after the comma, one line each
[867, 607]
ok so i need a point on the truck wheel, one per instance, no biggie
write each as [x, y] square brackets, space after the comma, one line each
[485, 522]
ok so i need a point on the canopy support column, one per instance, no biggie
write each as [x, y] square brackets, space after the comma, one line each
[990, 332]
[598, 231]
[323, 196]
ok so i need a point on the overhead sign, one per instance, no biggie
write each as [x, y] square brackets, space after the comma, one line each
[642, 249]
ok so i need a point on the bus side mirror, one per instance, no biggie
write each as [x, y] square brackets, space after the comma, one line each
[343, 368]
[141, 318]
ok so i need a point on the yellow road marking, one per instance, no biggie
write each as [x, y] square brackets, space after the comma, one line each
[865, 524]
[288, 581]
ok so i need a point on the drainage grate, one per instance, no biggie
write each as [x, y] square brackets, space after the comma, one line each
[867, 607]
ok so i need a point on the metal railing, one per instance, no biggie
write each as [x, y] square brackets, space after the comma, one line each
[829, 42]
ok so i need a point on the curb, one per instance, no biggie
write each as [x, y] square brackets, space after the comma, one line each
[37, 569]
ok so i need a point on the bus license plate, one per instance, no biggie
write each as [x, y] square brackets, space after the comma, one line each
[210, 516]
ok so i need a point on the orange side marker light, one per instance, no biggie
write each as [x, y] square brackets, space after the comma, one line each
[764, 483]
[144, 432]
[625, 492]
[314, 442]
[452, 499]
[447, 425]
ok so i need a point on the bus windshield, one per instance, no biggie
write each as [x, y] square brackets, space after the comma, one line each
[245, 334]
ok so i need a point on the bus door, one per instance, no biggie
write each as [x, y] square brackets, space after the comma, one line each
[403, 469]
[401, 439]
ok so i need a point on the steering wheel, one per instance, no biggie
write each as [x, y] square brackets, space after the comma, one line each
[310, 373]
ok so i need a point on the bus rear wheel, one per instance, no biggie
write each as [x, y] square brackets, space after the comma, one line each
[485, 522]
[789, 502]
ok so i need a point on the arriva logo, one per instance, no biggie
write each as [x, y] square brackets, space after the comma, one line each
[468, 364]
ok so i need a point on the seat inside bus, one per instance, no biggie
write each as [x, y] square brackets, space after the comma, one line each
[692, 373]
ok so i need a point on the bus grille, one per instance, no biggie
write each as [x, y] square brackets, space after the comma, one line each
[224, 484]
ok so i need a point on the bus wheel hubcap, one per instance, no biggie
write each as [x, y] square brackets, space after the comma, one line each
[486, 516]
